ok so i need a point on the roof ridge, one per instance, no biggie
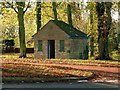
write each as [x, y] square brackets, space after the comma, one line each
[70, 30]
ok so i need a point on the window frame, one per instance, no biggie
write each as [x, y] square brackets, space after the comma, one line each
[61, 46]
[40, 45]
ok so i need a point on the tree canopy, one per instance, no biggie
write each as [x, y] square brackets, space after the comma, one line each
[83, 16]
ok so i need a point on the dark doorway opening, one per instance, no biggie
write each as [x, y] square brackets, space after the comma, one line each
[51, 49]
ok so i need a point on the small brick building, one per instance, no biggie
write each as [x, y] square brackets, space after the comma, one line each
[59, 40]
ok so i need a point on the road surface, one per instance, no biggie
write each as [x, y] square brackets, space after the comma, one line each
[59, 85]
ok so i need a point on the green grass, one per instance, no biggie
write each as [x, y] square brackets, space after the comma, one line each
[115, 55]
[33, 68]
[29, 69]
[30, 58]
[15, 55]
[9, 71]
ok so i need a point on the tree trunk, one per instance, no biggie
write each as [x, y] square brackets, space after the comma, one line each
[118, 40]
[69, 14]
[108, 6]
[38, 18]
[54, 10]
[100, 13]
[104, 24]
[21, 29]
[91, 38]
[91, 46]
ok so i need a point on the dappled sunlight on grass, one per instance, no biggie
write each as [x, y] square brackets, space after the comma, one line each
[116, 56]
[13, 57]
[12, 66]
[27, 69]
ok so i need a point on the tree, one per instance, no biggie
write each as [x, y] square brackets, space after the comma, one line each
[54, 10]
[20, 6]
[9, 30]
[103, 10]
[91, 15]
[119, 22]
[38, 15]
[69, 14]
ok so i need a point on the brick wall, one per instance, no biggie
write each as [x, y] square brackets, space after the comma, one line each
[50, 32]
[74, 48]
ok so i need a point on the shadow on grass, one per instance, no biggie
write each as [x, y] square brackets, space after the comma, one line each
[41, 80]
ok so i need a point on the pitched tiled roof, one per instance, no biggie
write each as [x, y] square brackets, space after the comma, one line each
[70, 30]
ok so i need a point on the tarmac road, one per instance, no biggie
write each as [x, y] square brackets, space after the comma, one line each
[59, 85]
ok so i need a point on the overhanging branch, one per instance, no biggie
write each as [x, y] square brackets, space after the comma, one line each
[11, 4]
[27, 7]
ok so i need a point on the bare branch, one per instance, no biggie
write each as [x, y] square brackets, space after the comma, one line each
[11, 4]
[46, 14]
[27, 7]
[58, 4]
[46, 6]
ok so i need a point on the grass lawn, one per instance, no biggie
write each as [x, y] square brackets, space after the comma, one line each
[14, 68]
[30, 58]
[29, 69]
